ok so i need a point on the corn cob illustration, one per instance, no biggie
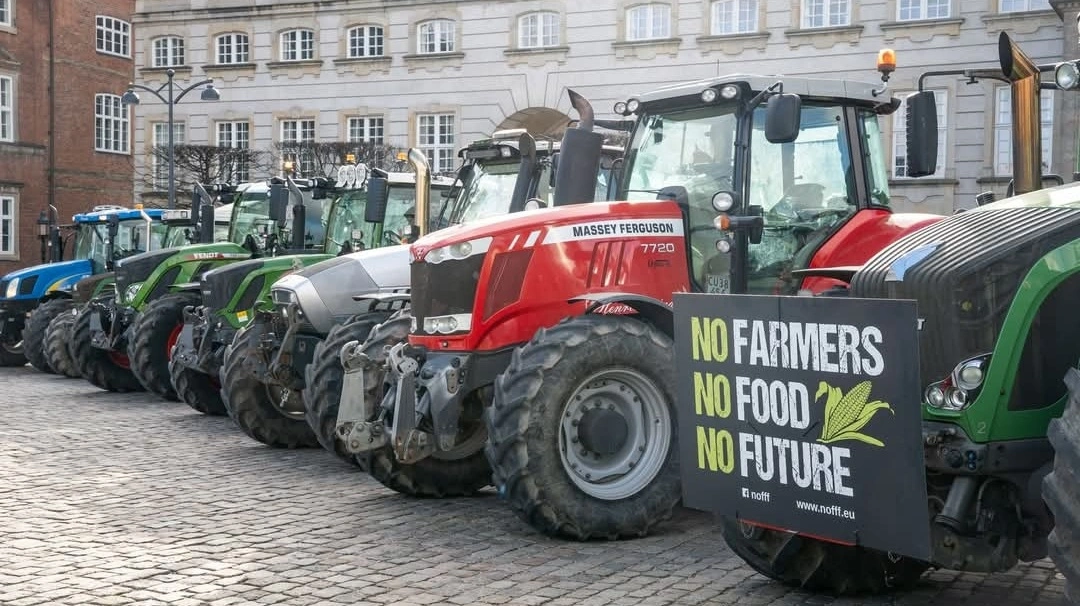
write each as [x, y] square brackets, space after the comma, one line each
[846, 414]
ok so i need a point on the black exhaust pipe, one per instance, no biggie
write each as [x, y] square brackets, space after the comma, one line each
[526, 173]
[579, 157]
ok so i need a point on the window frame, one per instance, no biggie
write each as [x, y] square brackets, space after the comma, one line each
[1028, 6]
[103, 122]
[12, 219]
[738, 7]
[1046, 130]
[541, 26]
[438, 36]
[104, 28]
[367, 125]
[161, 181]
[899, 135]
[441, 154]
[299, 32]
[177, 49]
[7, 10]
[923, 10]
[826, 14]
[239, 170]
[305, 162]
[367, 45]
[650, 21]
[7, 110]
[234, 48]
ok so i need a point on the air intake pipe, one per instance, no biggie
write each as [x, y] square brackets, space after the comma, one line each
[579, 157]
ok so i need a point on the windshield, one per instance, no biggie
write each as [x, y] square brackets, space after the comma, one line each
[251, 215]
[130, 239]
[485, 191]
[346, 224]
[175, 235]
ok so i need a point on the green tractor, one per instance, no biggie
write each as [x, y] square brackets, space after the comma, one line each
[363, 217]
[112, 346]
[315, 308]
[991, 293]
[178, 232]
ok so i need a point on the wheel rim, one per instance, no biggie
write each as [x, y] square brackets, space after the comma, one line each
[615, 434]
[174, 336]
[477, 437]
[120, 360]
[286, 401]
[13, 348]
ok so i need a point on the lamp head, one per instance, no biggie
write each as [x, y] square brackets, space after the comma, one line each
[210, 93]
[130, 97]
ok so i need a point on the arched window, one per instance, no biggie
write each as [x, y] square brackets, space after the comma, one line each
[537, 30]
[366, 41]
[169, 51]
[232, 48]
[297, 45]
[648, 22]
[435, 37]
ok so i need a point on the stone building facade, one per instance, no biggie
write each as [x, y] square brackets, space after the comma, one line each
[64, 138]
[438, 74]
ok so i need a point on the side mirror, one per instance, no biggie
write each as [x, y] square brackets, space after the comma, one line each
[378, 195]
[279, 203]
[112, 225]
[922, 134]
[206, 224]
[227, 197]
[783, 118]
[554, 168]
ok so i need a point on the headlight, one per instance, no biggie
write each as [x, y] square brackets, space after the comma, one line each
[458, 251]
[447, 324]
[12, 288]
[131, 291]
[958, 390]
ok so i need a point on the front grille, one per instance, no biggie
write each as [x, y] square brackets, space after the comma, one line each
[444, 288]
[965, 285]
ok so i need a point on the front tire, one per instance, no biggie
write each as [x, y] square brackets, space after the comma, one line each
[552, 447]
[155, 331]
[34, 339]
[818, 566]
[108, 370]
[1061, 490]
[248, 401]
[324, 376]
[200, 391]
[58, 344]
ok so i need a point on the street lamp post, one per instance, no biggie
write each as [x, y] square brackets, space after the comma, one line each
[208, 94]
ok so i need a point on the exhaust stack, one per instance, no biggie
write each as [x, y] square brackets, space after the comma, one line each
[420, 164]
[1023, 75]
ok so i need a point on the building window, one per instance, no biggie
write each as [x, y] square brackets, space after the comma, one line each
[298, 45]
[648, 22]
[160, 154]
[8, 225]
[537, 30]
[294, 135]
[913, 10]
[366, 41]
[367, 129]
[113, 36]
[1003, 130]
[232, 48]
[435, 137]
[734, 17]
[826, 13]
[169, 52]
[7, 108]
[7, 12]
[899, 146]
[235, 136]
[1019, 6]
[110, 124]
[435, 37]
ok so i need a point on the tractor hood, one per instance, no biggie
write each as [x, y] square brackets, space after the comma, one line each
[966, 269]
[324, 291]
[35, 281]
[579, 221]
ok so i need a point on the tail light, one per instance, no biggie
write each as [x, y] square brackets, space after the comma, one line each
[958, 390]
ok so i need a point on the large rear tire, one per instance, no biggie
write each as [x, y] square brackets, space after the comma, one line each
[555, 458]
[322, 387]
[33, 336]
[1061, 490]
[248, 400]
[58, 344]
[818, 566]
[11, 354]
[154, 332]
[108, 370]
[200, 391]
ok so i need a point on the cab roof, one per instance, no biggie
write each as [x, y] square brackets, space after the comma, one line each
[123, 213]
[809, 87]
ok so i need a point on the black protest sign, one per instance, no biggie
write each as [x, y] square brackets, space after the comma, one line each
[804, 414]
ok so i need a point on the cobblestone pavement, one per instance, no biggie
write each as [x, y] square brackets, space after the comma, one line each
[121, 499]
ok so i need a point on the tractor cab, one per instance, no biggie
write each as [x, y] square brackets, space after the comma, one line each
[766, 169]
[264, 217]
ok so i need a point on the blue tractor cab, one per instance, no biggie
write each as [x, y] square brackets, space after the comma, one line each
[101, 237]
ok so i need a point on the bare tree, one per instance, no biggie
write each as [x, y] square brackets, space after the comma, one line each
[321, 159]
[204, 164]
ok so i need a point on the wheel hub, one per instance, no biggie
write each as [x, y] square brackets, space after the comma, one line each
[603, 430]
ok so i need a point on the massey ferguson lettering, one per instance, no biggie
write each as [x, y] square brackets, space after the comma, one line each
[654, 228]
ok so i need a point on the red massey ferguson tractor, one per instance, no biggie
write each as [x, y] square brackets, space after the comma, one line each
[537, 354]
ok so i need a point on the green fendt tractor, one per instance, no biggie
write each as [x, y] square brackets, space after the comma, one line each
[316, 309]
[111, 347]
[991, 294]
[363, 216]
[179, 231]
